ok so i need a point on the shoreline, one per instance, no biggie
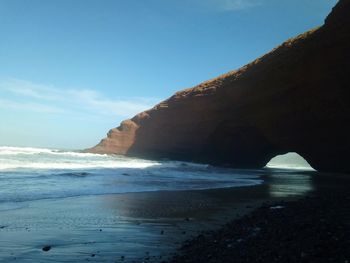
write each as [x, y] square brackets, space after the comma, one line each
[109, 228]
[120, 227]
[142, 226]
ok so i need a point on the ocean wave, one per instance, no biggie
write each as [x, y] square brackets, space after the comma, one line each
[7, 150]
[77, 165]
[13, 158]
[35, 173]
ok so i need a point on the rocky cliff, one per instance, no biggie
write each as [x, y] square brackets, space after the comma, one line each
[294, 99]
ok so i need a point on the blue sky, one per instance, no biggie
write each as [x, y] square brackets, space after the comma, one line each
[72, 69]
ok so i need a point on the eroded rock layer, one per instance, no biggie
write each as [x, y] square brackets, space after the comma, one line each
[294, 99]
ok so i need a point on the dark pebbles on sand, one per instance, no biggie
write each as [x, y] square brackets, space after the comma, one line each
[313, 229]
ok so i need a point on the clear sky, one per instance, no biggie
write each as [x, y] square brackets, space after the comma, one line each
[72, 69]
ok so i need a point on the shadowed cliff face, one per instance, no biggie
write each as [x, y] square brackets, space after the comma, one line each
[294, 99]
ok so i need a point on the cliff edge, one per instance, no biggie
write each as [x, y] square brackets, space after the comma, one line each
[294, 99]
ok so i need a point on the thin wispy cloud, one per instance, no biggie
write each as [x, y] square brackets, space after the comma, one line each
[238, 4]
[30, 89]
[13, 105]
[231, 5]
[26, 95]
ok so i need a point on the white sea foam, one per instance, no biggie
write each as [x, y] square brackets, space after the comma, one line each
[6, 150]
[12, 158]
[94, 165]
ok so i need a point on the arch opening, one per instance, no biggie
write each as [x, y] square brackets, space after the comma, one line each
[291, 160]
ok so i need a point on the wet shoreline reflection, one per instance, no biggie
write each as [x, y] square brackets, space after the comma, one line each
[286, 183]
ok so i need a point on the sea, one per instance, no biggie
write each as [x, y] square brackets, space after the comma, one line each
[28, 174]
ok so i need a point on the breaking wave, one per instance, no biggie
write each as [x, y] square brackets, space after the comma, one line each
[12, 158]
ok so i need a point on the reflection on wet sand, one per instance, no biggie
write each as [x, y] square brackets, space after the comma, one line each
[284, 183]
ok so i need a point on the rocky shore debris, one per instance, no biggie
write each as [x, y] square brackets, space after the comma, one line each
[313, 229]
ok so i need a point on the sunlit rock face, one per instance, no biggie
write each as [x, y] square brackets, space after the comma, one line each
[294, 99]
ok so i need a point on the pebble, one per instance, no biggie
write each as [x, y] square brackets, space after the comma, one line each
[46, 248]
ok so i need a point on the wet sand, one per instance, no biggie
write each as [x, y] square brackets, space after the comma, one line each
[106, 228]
[134, 227]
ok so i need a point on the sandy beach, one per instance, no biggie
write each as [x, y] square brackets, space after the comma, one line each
[133, 227]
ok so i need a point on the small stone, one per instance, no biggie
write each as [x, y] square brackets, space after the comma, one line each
[276, 207]
[46, 248]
